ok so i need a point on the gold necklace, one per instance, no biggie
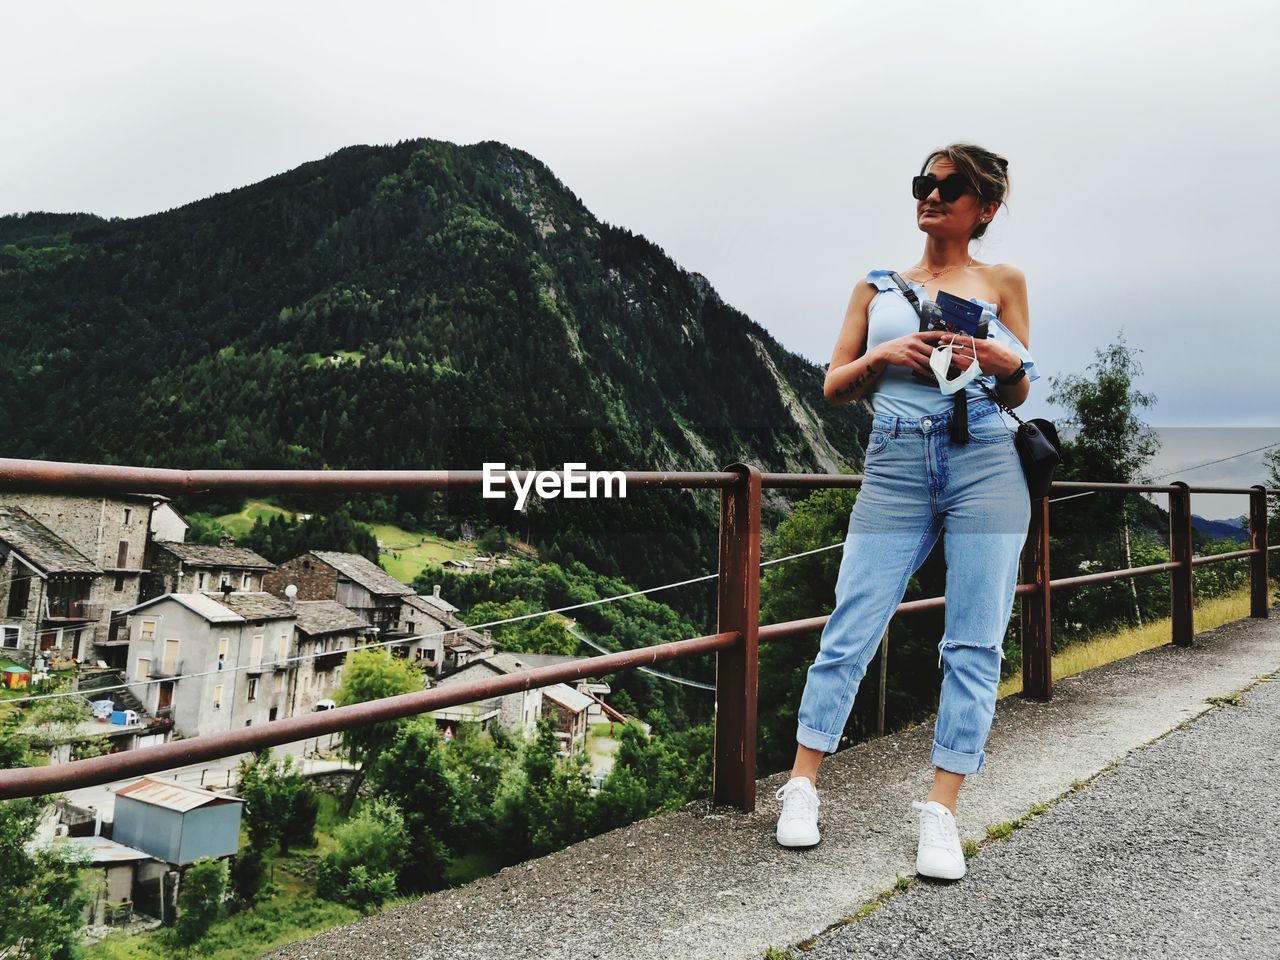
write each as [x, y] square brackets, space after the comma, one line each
[934, 276]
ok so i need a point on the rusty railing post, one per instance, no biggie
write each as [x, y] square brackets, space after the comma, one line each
[1258, 585]
[737, 608]
[1037, 641]
[1181, 599]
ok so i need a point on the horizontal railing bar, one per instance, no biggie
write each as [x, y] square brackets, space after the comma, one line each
[1219, 557]
[54, 778]
[94, 477]
[1106, 575]
[810, 481]
[100, 478]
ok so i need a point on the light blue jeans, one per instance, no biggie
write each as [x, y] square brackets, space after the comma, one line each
[917, 484]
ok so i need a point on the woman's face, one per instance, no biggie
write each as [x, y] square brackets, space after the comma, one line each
[956, 219]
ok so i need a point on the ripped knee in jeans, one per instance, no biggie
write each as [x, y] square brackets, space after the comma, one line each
[946, 644]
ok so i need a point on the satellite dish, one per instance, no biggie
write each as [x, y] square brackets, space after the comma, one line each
[291, 591]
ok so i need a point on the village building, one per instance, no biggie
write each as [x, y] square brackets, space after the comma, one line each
[176, 567]
[326, 630]
[353, 580]
[212, 663]
[112, 533]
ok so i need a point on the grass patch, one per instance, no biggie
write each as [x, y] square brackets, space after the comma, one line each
[775, 953]
[281, 919]
[998, 831]
[1230, 700]
[241, 523]
[1097, 651]
[405, 553]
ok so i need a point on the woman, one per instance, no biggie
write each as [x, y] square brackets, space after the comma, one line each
[920, 483]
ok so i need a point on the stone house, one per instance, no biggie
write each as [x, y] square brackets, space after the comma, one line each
[47, 590]
[353, 580]
[175, 567]
[560, 703]
[435, 637]
[97, 548]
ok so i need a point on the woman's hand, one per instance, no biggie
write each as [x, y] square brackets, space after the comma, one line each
[913, 350]
[992, 357]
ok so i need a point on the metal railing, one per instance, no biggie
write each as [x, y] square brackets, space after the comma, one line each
[736, 642]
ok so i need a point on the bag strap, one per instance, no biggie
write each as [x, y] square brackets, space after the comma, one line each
[915, 304]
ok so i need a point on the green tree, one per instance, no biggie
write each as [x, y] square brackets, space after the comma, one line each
[282, 807]
[371, 675]
[200, 896]
[42, 895]
[1111, 444]
[411, 773]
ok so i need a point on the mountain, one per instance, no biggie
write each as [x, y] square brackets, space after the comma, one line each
[1220, 529]
[422, 305]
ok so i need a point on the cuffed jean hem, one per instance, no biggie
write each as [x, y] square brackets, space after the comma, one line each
[957, 762]
[815, 739]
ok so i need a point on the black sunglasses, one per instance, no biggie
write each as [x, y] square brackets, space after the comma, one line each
[949, 189]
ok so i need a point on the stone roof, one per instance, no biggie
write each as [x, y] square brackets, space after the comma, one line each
[429, 604]
[209, 555]
[257, 605]
[318, 617]
[364, 572]
[40, 545]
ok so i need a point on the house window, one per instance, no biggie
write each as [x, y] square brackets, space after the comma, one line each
[244, 581]
[306, 564]
[119, 585]
[143, 669]
[171, 657]
[217, 696]
[19, 595]
[279, 683]
[282, 649]
[225, 582]
[127, 511]
[273, 713]
[148, 634]
[223, 642]
[122, 555]
[252, 694]
[255, 651]
[202, 581]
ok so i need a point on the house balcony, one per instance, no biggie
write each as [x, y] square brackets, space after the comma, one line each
[68, 608]
[159, 671]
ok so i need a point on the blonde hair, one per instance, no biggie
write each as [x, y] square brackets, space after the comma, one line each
[986, 172]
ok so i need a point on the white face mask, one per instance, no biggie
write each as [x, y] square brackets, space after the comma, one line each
[940, 360]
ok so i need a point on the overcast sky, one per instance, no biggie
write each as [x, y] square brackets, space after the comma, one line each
[765, 145]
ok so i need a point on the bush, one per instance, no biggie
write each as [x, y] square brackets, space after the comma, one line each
[372, 849]
[200, 899]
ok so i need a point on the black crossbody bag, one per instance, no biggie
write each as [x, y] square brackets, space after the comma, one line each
[1037, 441]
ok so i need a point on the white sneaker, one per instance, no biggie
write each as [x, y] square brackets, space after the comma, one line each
[798, 821]
[939, 854]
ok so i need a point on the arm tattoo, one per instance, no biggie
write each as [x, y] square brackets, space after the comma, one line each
[855, 386]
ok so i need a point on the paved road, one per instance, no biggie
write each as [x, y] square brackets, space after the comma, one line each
[712, 883]
[1175, 853]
